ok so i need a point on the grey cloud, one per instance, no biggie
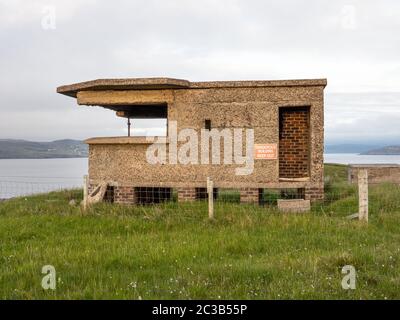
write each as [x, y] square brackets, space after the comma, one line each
[363, 117]
[354, 44]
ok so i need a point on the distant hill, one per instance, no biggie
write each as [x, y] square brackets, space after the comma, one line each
[349, 148]
[389, 150]
[23, 149]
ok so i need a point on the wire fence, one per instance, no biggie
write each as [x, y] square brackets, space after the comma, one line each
[157, 195]
[339, 197]
[18, 186]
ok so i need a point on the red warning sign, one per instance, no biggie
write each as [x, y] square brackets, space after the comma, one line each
[266, 151]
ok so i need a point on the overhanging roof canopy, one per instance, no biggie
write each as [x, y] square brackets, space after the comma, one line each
[123, 84]
[170, 83]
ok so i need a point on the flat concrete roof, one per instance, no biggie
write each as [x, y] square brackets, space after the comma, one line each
[125, 140]
[170, 83]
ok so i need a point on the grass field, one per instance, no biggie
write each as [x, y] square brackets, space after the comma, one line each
[173, 252]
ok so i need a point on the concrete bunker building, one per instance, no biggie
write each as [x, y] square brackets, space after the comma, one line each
[287, 117]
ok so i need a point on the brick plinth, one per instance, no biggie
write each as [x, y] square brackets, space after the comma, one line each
[125, 195]
[186, 194]
[314, 194]
[250, 195]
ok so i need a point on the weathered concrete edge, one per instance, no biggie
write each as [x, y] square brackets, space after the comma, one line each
[171, 83]
[126, 140]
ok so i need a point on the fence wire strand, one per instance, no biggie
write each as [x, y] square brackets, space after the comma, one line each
[339, 198]
[11, 187]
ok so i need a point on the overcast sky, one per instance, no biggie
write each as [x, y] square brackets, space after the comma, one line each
[44, 44]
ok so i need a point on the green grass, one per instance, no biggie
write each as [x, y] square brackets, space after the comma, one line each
[173, 252]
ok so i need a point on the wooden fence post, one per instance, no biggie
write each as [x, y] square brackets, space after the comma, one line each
[363, 194]
[210, 191]
[85, 191]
